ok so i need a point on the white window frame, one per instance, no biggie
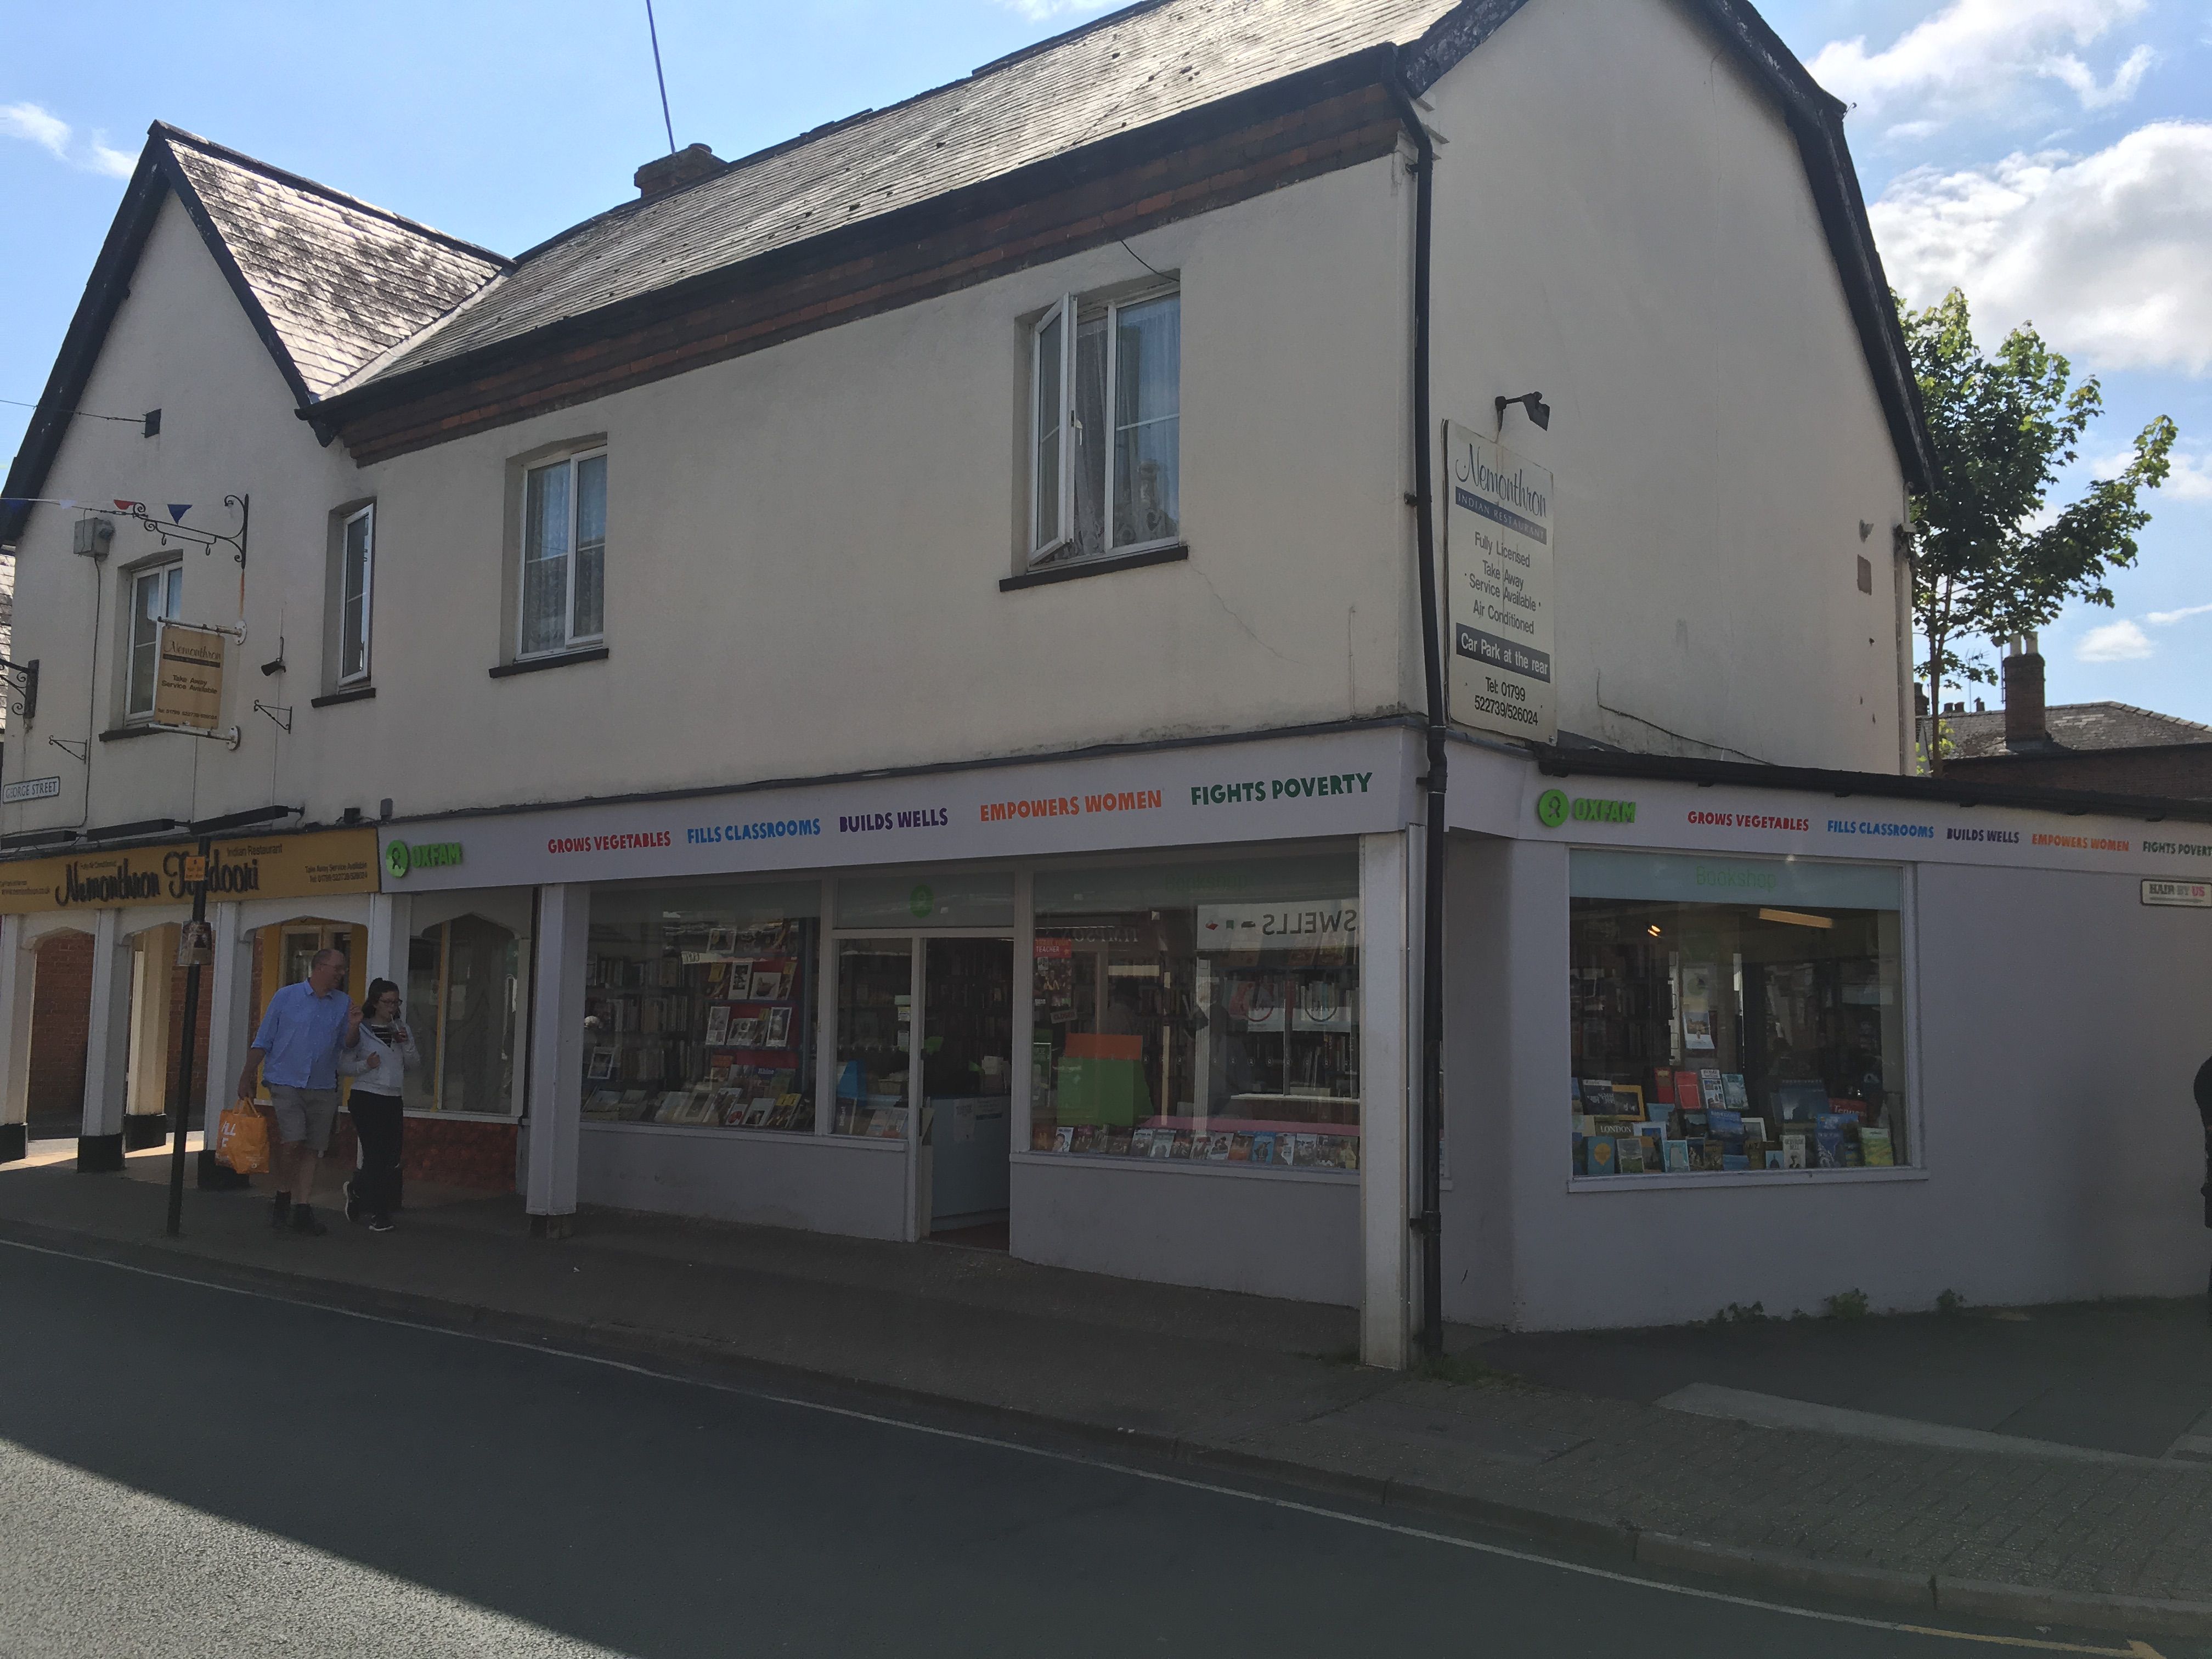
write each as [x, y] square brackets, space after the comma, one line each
[570, 640]
[1071, 312]
[361, 676]
[137, 579]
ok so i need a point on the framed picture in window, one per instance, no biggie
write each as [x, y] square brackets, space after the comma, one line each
[779, 1027]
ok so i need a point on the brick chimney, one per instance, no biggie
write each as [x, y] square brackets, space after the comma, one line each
[2025, 726]
[666, 173]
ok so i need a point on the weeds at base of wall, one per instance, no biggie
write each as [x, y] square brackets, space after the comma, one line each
[1848, 1304]
[1737, 1314]
[1950, 1303]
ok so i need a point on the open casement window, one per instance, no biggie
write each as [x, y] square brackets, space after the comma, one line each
[564, 540]
[1106, 404]
[357, 559]
[153, 598]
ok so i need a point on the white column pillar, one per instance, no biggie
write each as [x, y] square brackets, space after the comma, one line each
[556, 1056]
[107, 1045]
[388, 932]
[1389, 1100]
[19, 969]
[228, 985]
[153, 954]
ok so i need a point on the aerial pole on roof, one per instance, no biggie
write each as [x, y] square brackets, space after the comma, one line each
[654, 34]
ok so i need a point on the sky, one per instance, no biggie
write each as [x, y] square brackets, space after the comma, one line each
[2052, 157]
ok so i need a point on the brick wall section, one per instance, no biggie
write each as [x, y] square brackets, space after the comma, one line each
[2176, 772]
[811, 290]
[61, 1005]
[480, 1156]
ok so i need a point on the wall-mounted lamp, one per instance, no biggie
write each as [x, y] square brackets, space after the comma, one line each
[1538, 410]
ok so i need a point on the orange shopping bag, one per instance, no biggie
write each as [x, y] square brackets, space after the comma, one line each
[242, 1138]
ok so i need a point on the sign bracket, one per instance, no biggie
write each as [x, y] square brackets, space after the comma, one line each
[279, 714]
[232, 737]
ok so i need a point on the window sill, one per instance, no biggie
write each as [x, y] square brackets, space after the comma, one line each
[352, 694]
[1079, 568]
[1736, 1180]
[116, 734]
[560, 659]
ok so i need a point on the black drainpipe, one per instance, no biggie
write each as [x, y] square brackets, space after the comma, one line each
[1429, 1223]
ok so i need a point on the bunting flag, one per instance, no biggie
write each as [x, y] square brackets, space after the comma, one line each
[176, 510]
[33, 500]
[129, 507]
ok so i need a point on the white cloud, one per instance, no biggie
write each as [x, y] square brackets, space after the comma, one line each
[1976, 55]
[2167, 619]
[2191, 478]
[29, 121]
[2115, 641]
[2106, 253]
[115, 163]
[53, 134]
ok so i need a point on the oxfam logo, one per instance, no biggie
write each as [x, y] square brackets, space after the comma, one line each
[400, 859]
[922, 903]
[1551, 808]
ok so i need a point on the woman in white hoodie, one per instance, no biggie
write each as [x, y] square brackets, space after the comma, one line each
[378, 1068]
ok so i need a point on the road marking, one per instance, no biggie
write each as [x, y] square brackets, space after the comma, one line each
[2134, 1649]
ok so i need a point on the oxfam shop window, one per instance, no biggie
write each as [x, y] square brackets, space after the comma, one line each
[697, 1005]
[1206, 1013]
[1734, 1015]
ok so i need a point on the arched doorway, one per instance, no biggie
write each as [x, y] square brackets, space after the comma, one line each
[61, 1009]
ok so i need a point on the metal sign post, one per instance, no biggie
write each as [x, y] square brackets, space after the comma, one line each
[194, 951]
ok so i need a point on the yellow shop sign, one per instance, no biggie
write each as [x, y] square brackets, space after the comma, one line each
[282, 866]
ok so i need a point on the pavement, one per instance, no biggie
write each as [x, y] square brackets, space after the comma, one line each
[2059, 1488]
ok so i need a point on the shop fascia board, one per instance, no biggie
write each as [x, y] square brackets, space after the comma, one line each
[1325, 782]
[1724, 809]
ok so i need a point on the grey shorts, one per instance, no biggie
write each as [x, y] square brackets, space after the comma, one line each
[304, 1114]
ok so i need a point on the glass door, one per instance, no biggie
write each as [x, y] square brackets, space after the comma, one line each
[967, 1073]
[875, 1037]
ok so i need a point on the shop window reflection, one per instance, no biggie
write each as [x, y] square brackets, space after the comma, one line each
[1222, 1030]
[463, 980]
[696, 1004]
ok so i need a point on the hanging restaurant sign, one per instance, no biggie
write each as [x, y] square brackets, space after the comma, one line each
[188, 676]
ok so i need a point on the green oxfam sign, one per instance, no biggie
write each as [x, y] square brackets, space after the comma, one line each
[1554, 809]
[922, 902]
[400, 859]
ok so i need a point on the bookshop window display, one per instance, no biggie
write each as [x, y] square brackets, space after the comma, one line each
[1203, 1012]
[698, 1000]
[1740, 1016]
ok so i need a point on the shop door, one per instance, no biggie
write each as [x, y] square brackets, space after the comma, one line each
[967, 1084]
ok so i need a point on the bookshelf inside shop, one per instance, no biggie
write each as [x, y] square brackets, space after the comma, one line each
[1724, 1039]
[704, 1025]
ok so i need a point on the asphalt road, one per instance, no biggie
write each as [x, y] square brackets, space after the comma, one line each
[190, 1470]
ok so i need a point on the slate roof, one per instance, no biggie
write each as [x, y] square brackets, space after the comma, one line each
[340, 281]
[2081, 726]
[1129, 70]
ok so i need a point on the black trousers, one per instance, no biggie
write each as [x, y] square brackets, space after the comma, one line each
[380, 1122]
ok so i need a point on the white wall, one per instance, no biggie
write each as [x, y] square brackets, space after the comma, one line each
[2061, 1023]
[1624, 224]
[182, 344]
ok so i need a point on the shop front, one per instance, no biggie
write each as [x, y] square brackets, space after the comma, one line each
[1814, 1047]
[1111, 1013]
[274, 901]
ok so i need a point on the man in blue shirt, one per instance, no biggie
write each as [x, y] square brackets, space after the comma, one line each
[297, 1053]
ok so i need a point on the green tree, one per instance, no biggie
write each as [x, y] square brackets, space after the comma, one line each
[1990, 559]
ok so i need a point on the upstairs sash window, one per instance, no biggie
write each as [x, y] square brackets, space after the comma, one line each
[564, 542]
[1106, 409]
